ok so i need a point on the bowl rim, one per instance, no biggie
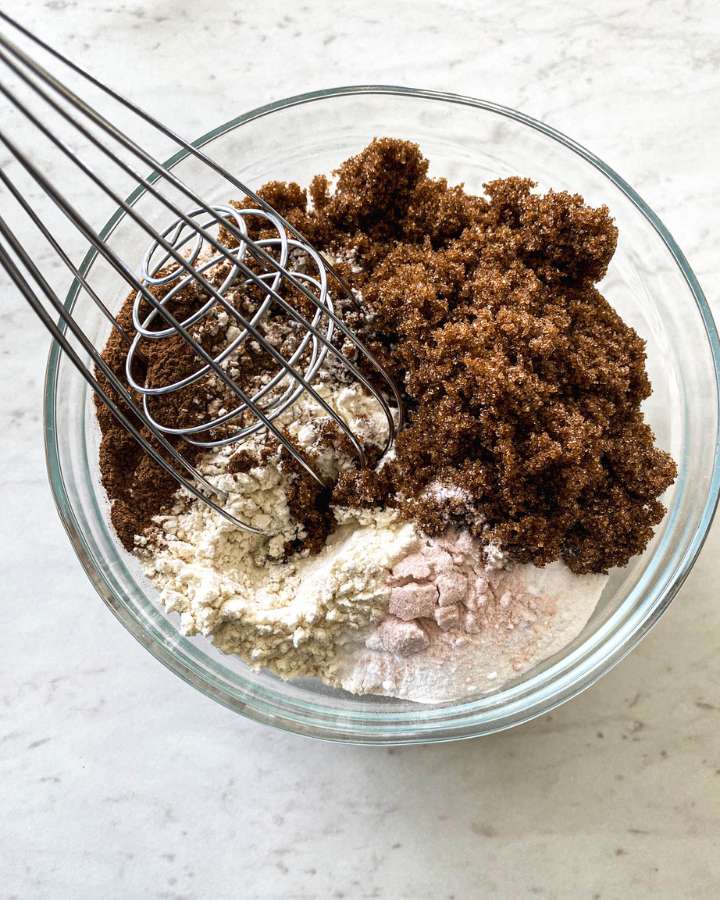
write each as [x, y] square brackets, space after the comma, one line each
[434, 728]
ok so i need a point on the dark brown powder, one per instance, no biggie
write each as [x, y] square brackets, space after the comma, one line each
[308, 503]
[137, 487]
[523, 385]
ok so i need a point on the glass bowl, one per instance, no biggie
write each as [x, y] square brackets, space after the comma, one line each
[649, 282]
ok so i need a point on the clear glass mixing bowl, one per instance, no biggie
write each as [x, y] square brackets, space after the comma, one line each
[649, 282]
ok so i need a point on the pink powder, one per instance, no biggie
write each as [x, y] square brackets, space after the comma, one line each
[463, 621]
[413, 601]
[445, 580]
[402, 638]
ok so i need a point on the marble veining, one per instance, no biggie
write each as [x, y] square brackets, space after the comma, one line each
[118, 780]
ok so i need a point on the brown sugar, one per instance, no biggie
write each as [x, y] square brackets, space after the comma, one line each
[523, 385]
[137, 487]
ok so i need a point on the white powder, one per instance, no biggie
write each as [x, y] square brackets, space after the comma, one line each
[235, 586]
[443, 493]
[554, 606]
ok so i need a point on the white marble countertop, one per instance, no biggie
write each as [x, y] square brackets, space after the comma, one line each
[119, 781]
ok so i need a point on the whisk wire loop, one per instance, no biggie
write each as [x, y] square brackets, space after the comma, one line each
[187, 256]
[254, 246]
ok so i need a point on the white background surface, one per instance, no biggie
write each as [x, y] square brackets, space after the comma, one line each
[119, 781]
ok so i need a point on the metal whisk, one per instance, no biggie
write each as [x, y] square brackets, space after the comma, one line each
[189, 253]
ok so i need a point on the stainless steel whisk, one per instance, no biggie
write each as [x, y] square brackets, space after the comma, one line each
[182, 254]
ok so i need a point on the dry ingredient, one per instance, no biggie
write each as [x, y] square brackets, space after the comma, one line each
[479, 546]
[242, 590]
[464, 620]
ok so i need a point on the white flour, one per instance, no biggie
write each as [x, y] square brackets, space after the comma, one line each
[236, 588]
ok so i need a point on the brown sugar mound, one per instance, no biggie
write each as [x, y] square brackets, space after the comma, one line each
[523, 386]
